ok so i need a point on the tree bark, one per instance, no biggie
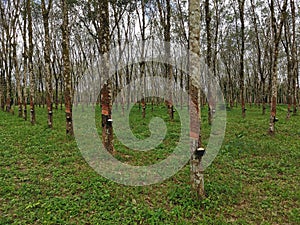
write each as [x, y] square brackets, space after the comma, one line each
[165, 20]
[18, 80]
[208, 59]
[241, 4]
[259, 60]
[287, 46]
[143, 64]
[106, 95]
[276, 39]
[294, 67]
[169, 67]
[30, 64]
[48, 75]
[66, 68]
[197, 172]
[25, 61]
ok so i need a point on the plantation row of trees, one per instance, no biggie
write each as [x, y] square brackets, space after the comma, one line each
[46, 46]
[250, 46]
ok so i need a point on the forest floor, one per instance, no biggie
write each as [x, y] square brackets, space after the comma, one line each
[255, 179]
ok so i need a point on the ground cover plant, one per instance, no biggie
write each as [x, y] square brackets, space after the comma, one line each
[254, 179]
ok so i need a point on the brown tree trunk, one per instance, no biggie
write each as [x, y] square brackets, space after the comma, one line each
[215, 55]
[197, 172]
[287, 47]
[208, 60]
[276, 39]
[7, 69]
[169, 67]
[48, 75]
[263, 96]
[30, 64]
[8, 83]
[18, 80]
[294, 66]
[66, 68]
[241, 4]
[107, 129]
[165, 19]
[106, 95]
[259, 60]
[143, 64]
[2, 87]
[25, 58]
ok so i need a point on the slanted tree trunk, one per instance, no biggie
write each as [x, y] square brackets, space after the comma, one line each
[66, 68]
[48, 75]
[197, 172]
[276, 40]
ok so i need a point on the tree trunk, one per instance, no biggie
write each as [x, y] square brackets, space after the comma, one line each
[259, 60]
[294, 67]
[48, 75]
[2, 87]
[25, 58]
[106, 95]
[165, 20]
[18, 80]
[66, 68]
[276, 39]
[169, 67]
[208, 60]
[30, 64]
[287, 47]
[197, 172]
[241, 4]
[143, 64]
[8, 70]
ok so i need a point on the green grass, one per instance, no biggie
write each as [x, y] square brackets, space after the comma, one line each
[254, 179]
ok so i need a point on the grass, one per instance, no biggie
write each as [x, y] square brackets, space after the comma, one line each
[253, 180]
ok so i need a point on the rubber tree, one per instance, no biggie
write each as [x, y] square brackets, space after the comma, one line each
[47, 49]
[276, 34]
[241, 4]
[30, 63]
[197, 172]
[7, 24]
[106, 91]
[25, 62]
[66, 66]
[142, 64]
[165, 20]
[294, 66]
[208, 56]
